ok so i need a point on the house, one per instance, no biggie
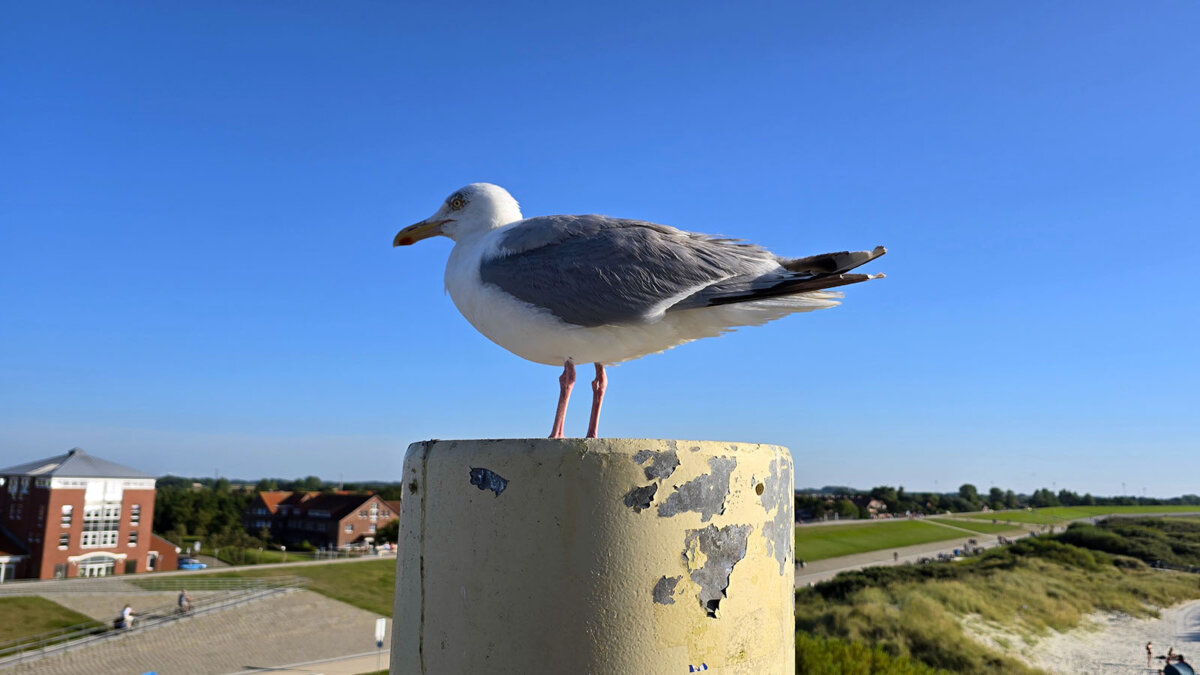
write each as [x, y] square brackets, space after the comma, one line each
[75, 515]
[323, 519]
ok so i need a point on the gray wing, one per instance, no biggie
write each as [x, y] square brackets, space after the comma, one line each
[595, 270]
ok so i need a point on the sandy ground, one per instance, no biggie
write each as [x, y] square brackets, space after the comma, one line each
[1110, 644]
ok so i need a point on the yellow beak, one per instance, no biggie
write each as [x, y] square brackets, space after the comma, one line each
[418, 231]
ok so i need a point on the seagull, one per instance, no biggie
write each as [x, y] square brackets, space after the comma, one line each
[563, 289]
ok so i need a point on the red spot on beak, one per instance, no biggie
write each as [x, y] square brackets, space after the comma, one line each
[406, 241]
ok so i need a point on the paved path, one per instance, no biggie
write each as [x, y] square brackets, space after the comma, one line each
[290, 628]
[821, 570]
[106, 606]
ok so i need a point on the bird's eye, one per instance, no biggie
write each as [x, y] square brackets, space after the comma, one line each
[457, 203]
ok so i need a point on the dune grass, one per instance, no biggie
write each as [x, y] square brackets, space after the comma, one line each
[29, 615]
[368, 584]
[816, 655]
[818, 542]
[1037, 584]
[978, 526]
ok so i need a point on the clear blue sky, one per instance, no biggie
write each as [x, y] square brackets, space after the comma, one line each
[197, 204]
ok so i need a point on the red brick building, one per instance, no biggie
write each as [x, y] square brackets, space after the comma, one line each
[325, 520]
[75, 515]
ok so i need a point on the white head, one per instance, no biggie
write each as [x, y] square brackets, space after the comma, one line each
[476, 208]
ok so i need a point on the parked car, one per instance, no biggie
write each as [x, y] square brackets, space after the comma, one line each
[191, 564]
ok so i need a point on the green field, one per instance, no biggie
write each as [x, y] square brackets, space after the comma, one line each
[24, 616]
[818, 542]
[978, 526]
[1060, 514]
[368, 584]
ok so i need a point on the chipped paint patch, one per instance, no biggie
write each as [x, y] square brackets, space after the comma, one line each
[487, 479]
[777, 497]
[722, 548]
[664, 589]
[704, 494]
[661, 464]
[639, 498]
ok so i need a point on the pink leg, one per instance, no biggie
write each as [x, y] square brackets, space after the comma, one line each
[598, 386]
[566, 382]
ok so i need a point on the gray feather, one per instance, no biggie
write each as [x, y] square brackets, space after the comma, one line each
[595, 270]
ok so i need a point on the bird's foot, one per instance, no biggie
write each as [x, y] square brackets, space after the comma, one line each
[599, 385]
[566, 382]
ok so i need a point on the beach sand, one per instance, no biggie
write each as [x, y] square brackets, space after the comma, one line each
[1108, 644]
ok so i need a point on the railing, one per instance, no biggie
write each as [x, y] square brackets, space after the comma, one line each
[34, 647]
[211, 583]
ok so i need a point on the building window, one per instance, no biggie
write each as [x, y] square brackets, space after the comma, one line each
[133, 537]
[371, 528]
[362, 514]
[100, 525]
[64, 540]
[349, 527]
[135, 514]
[67, 512]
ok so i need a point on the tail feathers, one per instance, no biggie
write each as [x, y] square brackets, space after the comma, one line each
[794, 286]
[831, 263]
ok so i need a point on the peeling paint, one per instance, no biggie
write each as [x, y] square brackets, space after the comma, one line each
[704, 494]
[777, 496]
[722, 549]
[639, 498]
[487, 479]
[664, 589]
[662, 464]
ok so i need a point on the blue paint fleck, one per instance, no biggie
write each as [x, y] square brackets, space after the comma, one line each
[488, 480]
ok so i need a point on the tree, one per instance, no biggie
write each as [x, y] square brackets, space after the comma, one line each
[968, 493]
[845, 508]
[996, 498]
[390, 532]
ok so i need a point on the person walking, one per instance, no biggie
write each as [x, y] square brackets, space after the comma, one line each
[1149, 654]
[185, 601]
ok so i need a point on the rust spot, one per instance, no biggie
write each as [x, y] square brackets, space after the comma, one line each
[758, 489]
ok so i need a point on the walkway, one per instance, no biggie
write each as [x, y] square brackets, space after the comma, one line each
[296, 626]
[823, 570]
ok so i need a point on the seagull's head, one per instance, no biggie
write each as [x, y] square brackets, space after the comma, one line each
[474, 209]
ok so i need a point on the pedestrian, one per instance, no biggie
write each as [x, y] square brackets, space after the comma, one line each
[1170, 655]
[185, 601]
[895, 556]
[1149, 654]
[126, 617]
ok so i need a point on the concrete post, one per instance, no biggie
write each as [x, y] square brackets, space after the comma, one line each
[595, 556]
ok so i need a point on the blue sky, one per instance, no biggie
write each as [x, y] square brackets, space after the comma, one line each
[197, 204]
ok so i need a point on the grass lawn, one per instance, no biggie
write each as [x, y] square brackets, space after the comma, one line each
[818, 542]
[24, 616]
[977, 526]
[368, 585]
[1061, 514]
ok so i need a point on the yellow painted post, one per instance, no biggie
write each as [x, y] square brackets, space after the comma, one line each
[623, 556]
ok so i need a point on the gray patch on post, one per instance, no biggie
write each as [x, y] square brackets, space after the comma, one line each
[664, 589]
[722, 549]
[704, 494]
[487, 479]
[778, 497]
[662, 464]
[639, 498]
